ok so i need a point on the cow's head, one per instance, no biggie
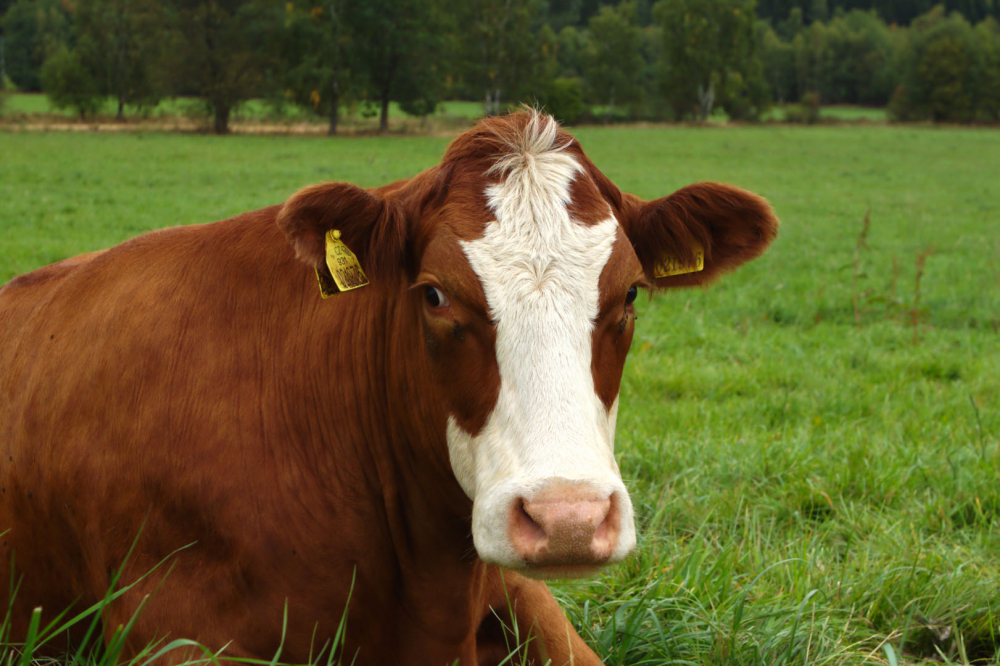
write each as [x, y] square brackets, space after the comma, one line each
[524, 261]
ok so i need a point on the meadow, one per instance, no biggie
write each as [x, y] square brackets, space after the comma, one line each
[812, 445]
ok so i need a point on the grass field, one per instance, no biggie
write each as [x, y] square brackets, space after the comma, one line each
[813, 445]
[838, 114]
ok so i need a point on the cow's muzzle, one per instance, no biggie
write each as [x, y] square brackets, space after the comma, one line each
[565, 527]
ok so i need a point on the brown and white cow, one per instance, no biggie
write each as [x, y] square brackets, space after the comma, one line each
[443, 436]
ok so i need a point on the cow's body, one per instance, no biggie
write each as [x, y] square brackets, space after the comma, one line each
[190, 388]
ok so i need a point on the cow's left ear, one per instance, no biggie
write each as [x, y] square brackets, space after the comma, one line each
[373, 227]
[729, 226]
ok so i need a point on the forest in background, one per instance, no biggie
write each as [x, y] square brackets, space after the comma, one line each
[583, 60]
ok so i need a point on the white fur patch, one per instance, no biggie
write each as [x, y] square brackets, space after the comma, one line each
[539, 270]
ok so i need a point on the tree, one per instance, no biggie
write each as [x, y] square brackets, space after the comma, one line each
[545, 66]
[988, 87]
[318, 50]
[223, 52]
[68, 83]
[33, 30]
[851, 55]
[570, 46]
[3, 90]
[613, 59]
[709, 51]
[119, 42]
[900, 12]
[778, 59]
[563, 14]
[871, 51]
[500, 49]
[401, 48]
[940, 70]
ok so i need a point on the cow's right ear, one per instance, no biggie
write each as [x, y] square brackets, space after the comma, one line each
[371, 226]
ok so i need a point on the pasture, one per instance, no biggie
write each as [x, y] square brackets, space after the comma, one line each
[812, 445]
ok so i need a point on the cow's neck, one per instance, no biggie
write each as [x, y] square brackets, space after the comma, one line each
[402, 438]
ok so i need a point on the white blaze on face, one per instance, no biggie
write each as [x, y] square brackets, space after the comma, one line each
[539, 270]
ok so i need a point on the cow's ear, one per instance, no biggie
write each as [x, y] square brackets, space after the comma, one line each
[727, 225]
[371, 226]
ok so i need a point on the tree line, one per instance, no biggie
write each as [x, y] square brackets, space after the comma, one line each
[939, 68]
[629, 60]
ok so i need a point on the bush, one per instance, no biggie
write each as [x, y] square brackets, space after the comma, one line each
[901, 105]
[810, 106]
[420, 107]
[68, 84]
[745, 98]
[807, 110]
[564, 100]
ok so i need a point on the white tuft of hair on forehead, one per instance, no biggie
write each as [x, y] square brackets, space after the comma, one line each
[522, 145]
[540, 272]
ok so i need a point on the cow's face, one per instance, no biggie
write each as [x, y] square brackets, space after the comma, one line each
[526, 269]
[528, 315]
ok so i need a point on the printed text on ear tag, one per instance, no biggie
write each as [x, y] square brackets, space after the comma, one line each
[668, 265]
[343, 264]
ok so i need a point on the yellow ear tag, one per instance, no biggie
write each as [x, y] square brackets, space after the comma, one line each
[344, 267]
[668, 265]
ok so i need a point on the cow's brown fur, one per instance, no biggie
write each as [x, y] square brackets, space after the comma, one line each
[190, 390]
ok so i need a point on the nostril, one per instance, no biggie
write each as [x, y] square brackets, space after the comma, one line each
[602, 531]
[606, 534]
[526, 534]
[564, 526]
[529, 530]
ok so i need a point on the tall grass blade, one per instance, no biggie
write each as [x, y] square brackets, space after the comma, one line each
[31, 638]
[890, 654]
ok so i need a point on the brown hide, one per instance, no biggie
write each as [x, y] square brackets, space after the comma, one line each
[189, 393]
[191, 386]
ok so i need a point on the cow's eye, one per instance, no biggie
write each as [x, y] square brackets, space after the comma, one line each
[435, 297]
[633, 291]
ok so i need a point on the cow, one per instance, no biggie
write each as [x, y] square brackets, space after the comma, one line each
[396, 403]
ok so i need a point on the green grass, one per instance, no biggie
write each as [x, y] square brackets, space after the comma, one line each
[848, 113]
[808, 490]
[840, 113]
